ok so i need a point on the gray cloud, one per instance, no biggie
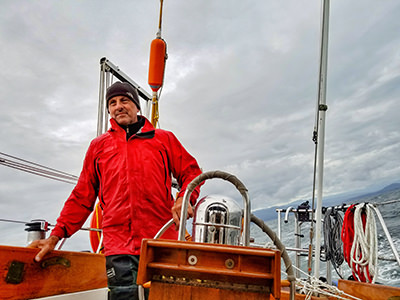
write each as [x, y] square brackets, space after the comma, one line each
[240, 92]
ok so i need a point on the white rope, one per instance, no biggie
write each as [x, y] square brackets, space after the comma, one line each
[313, 286]
[364, 251]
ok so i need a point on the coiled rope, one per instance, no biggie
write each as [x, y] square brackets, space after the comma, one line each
[312, 286]
[332, 238]
[360, 242]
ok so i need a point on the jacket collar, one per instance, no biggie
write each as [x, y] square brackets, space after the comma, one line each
[147, 131]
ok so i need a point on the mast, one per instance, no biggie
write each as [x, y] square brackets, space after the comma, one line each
[320, 123]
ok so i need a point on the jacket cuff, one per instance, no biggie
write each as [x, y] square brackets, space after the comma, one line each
[58, 232]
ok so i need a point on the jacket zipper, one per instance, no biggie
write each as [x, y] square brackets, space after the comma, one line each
[165, 176]
[100, 185]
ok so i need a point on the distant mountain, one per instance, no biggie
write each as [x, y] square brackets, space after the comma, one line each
[270, 212]
[386, 189]
[391, 187]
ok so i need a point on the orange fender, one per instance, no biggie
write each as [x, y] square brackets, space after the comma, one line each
[158, 55]
[96, 222]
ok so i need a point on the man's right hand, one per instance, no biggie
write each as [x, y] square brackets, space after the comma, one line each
[176, 212]
[47, 245]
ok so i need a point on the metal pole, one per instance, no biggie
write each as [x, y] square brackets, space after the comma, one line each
[115, 71]
[321, 132]
[279, 223]
[101, 102]
[105, 109]
[297, 233]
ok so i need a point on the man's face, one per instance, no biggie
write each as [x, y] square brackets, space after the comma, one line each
[123, 110]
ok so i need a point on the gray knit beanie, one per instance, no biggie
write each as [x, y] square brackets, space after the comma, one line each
[123, 89]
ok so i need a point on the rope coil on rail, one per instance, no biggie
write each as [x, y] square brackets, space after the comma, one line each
[332, 238]
[360, 242]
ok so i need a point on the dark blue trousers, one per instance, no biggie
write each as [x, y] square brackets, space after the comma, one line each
[121, 274]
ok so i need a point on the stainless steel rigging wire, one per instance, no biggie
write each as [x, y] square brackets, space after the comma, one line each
[36, 169]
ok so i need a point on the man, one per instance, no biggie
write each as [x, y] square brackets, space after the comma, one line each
[129, 169]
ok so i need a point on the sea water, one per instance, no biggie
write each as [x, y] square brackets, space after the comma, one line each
[388, 270]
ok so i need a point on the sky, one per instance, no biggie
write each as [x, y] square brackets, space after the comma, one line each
[240, 93]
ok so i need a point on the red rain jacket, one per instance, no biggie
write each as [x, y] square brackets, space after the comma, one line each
[132, 180]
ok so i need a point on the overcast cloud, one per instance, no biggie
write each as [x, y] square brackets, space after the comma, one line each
[240, 92]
